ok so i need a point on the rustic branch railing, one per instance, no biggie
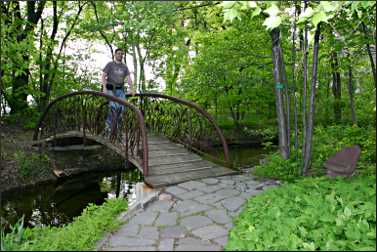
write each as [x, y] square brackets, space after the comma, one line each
[182, 121]
[85, 112]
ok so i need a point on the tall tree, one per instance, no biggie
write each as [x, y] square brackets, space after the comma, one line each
[22, 28]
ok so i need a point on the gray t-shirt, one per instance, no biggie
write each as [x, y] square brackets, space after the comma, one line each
[116, 73]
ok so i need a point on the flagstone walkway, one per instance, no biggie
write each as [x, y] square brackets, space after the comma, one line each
[195, 215]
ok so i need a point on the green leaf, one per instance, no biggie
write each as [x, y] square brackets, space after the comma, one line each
[305, 15]
[319, 17]
[347, 212]
[272, 22]
[252, 4]
[230, 14]
[256, 12]
[328, 6]
[228, 4]
[272, 11]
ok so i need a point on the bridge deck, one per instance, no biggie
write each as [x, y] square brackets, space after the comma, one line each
[171, 163]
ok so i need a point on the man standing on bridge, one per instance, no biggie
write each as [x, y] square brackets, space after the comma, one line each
[113, 76]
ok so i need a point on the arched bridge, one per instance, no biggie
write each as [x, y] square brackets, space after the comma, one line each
[164, 136]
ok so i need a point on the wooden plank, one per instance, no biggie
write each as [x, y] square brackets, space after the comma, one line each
[173, 159]
[181, 166]
[171, 179]
[157, 154]
[165, 147]
[178, 169]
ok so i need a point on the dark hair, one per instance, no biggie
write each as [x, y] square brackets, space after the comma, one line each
[119, 49]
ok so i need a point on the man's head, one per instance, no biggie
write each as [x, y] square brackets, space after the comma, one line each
[119, 53]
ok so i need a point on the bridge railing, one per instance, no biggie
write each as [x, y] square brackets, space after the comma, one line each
[184, 122]
[83, 114]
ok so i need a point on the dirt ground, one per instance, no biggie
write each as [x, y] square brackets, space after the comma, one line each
[14, 138]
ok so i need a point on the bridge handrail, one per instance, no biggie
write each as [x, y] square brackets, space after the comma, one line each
[138, 113]
[191, 104]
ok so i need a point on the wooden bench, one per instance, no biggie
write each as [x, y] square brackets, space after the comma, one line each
[343, 163]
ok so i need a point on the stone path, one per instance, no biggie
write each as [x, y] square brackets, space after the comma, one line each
[195, 215]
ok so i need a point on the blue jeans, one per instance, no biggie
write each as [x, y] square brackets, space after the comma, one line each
[115, 109]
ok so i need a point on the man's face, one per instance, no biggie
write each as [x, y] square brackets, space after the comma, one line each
[119, 55]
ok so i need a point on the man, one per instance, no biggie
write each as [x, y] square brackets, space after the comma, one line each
[113, 76]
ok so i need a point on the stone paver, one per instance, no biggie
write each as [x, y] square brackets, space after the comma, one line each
[173, 232]
[117, 241]
[175, 190]
[149, 232]
[221, 240]
[194, 222]
[129, 230]
[210, 181]
[220, 216]
[145, 218]
[233, 204]
[190, 195]
[196, 217]
[167, 219]
[161, 206]
[191, 185]
[166, 245]
[189, 207]
[210, 232]
[127, 248]
[195, 244]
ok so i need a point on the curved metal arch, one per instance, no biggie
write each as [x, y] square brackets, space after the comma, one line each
[195, 106]
[109, 97]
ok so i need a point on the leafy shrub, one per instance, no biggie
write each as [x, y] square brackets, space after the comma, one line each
[312, 214]
[326, 142]
[31, 164]
[81, 234]
[27, 118]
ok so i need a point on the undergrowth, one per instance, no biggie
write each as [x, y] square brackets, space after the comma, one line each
[312, 214]
[326, 142]
[81, 234]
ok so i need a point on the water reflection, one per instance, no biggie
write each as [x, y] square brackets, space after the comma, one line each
[242, 156]
[58, 204]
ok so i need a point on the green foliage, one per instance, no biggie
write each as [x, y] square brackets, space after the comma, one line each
[28, 118]
[82, 234]
[326, 142]
[31, 164]
[17, 232]
[313, 214]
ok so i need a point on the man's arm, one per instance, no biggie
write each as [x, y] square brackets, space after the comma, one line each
[104, 80]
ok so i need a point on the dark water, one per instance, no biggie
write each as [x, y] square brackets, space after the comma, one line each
[243, 156]
[57, 204]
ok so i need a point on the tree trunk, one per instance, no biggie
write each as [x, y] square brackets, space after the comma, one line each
[370, 56]
[134, 57]
[46, 65]
[336, 88]
[351, 92]
[286, 104]
[17, 100]
[294, 81]
[309, 133]
[281, 117]
[304, 92]
[141, 67]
